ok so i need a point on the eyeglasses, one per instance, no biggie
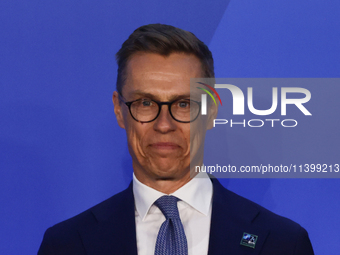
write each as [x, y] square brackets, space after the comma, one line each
[145, 110]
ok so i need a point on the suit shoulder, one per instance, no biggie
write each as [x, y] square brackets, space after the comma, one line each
[98, 212]
[65, 235]
[247, 209]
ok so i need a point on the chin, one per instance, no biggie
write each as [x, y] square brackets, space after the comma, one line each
[169, 170]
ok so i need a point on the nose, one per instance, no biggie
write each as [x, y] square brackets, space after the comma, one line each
[164, 122]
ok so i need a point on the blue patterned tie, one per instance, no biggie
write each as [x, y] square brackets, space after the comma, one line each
[171, 239]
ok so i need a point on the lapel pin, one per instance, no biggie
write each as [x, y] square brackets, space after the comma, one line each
[249, 240]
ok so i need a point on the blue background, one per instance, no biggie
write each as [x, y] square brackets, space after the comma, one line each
[61, 150]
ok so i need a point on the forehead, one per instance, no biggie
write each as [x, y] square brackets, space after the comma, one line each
[161, 76]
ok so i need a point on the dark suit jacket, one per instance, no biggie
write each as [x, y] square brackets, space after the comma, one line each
[109, 228]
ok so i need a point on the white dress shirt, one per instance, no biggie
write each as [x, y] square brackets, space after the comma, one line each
[194, 210]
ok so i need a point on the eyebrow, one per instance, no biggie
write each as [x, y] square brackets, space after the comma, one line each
[154, 97]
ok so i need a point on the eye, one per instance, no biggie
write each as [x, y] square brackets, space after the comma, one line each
[146, 102]
[183, 104]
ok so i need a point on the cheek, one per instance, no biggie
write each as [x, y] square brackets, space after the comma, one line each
[197, 136]
[136, 135]
[196, 141]
[186, 141]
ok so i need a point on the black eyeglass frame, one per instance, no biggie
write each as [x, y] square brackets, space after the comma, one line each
[160, 104]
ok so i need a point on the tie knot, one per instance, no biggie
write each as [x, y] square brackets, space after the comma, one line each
[168, 206]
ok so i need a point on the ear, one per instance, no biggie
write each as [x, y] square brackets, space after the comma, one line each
[118, 109]
[213, 109]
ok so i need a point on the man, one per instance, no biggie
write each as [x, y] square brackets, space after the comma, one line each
[165, 210]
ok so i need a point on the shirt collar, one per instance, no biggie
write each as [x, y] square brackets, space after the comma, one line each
[197, 193]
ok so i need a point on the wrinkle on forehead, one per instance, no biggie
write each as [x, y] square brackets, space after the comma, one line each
[158, 76]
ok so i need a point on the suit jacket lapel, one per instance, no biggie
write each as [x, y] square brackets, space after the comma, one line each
[114, 231]
[231, 217]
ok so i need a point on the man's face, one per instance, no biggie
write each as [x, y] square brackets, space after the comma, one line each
[160, 149]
